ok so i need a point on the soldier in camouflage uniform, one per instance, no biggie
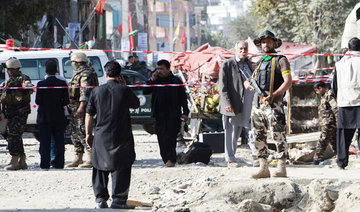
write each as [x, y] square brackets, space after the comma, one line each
[16, 108]
[327, 117]
[273, 77]
[83, 76]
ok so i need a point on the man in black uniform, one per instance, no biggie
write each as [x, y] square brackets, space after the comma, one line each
[168, 107]
[113, 142]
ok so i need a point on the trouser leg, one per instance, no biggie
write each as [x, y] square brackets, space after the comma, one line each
[45, 145]
[121, 184]
[160, 131]
[59, 146]
[327, 136]
[231, 137]
[78, 130]
[343, 141]
[259, 126]
[167, 131]
[358, 138]
[52, 151]
[100, 181]
[251, 141]
[278, 130]
[16, 127]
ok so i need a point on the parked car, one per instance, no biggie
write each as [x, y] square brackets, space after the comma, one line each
[141, 115]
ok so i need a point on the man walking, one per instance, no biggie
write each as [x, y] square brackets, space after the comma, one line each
[83, 76]
[347, 84]
[51, 117]
[327, 116]
[168, 107]
[235, 101]
[273, 76]
[15, 106]
[113, 142]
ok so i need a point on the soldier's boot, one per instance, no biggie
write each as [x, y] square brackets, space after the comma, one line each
[281, 168]
[263, 171]
[76, 162]
[87, 163]
[14, 163]
[22, 162]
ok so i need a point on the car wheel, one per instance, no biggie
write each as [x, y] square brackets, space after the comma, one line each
[149, 128]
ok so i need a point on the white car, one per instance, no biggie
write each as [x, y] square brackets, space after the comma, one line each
[33, 65]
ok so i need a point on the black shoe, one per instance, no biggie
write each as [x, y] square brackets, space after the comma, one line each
[341, 167]
[121, 206]
[103, 204]
[315, 162]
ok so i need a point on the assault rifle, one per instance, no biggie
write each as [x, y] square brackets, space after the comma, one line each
[261, 93]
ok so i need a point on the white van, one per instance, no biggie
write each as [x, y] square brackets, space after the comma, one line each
[33, 65]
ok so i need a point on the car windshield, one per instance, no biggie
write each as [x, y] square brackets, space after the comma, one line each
[95, 63]
[133, 78]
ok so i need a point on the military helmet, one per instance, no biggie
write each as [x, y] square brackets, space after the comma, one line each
[79, 57]
[13, 63]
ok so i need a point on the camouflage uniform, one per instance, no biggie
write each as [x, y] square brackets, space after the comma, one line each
[264, 119]
[16, 113]
[327, 116]
[83, 76]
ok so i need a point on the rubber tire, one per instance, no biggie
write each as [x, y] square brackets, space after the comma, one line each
[149, 128]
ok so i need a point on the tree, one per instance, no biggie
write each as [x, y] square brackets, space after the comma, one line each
[239, 29]
[318, 22]
[217, 39]
[243, 27]
[19, 16]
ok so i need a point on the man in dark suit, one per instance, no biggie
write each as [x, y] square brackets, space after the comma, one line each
[235, 101]
[113, 142]
[168, 107]
[51, 117]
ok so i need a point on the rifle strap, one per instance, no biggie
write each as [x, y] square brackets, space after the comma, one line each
[272, 76]
[256, 72]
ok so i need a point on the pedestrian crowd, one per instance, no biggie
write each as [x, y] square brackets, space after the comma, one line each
[251, 100]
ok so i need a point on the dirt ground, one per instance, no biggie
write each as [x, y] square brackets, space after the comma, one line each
[193, 187]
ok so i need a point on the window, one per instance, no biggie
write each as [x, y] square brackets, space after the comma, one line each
[95, 63]
[162, 20]
[35, 68]
[133, 80]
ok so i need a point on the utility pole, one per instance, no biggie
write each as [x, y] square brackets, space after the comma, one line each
[154, 26]
[55, 36]
[187, 30]
[171, 26]
[198, 16]
[125, 43]
[140, 15]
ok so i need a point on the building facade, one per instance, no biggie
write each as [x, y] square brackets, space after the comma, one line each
[222, 12]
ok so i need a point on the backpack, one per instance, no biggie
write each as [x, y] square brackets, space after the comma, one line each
[10, 96]
[197, 152]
